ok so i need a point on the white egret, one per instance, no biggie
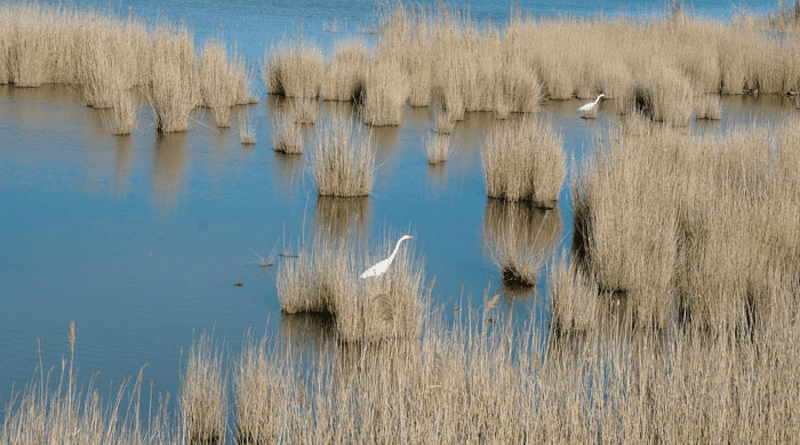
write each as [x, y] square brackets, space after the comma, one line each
[380, 268]
[591, 105]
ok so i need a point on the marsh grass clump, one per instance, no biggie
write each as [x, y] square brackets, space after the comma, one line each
[204, 393]
[221, 78]
[627, 218]
[261, 381]
[174, 89]
[523, 160]
[293, 70]
[443, 123]
[391, 305]
[664, 96]
[385, 93]
[287, 136]
[438, 147]
[325, 278]
[321, 269]
[520, 238]
[344, 75]
[122, 117]
[343, 158]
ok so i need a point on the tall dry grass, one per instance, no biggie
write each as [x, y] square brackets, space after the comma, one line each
[344, 75]
[58, 408]
[385, 93]
[174, 90]
[343, 157]
[204, 393]
[523, 160]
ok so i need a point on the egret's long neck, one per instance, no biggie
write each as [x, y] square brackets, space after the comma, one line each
[394, 252]
[597, 100]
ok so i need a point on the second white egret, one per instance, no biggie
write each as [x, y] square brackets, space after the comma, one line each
[591, 105]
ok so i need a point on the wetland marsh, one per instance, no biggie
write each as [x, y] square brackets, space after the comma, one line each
[205, 231]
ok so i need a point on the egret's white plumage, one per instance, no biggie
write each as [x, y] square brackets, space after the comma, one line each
[590, 106]
[380, 268]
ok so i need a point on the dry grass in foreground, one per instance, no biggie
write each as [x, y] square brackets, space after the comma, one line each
[204, 394]
[343, 158]
[608, 382]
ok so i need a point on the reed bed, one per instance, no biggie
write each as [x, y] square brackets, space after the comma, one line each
[687, 229]
[520, 238]
[523, 160]
[343, 158]
[707, 107]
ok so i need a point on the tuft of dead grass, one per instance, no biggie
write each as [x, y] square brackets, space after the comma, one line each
[204, 393]
[523, 160]
[343, 158]
[293, 70]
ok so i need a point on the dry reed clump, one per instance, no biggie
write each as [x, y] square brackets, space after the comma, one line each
[385, 93]
[740, 231]
[664, 96]
[204, 394]
[325, 278]
[392, 305]
[344, 75]
[574, 298]
[121, 119]
[626, 217]
[343, 158]
[174, 90]
[294, 70]
[438, 147]
[287, 136]
[443, 122]
[521, 238]
[707, 107]
[523, 160]
[220, 74]
[320, 270]
[260, 379]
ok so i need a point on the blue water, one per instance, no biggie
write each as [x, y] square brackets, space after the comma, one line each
[141, 239]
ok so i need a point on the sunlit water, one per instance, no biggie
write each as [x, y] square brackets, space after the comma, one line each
[140, 239]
